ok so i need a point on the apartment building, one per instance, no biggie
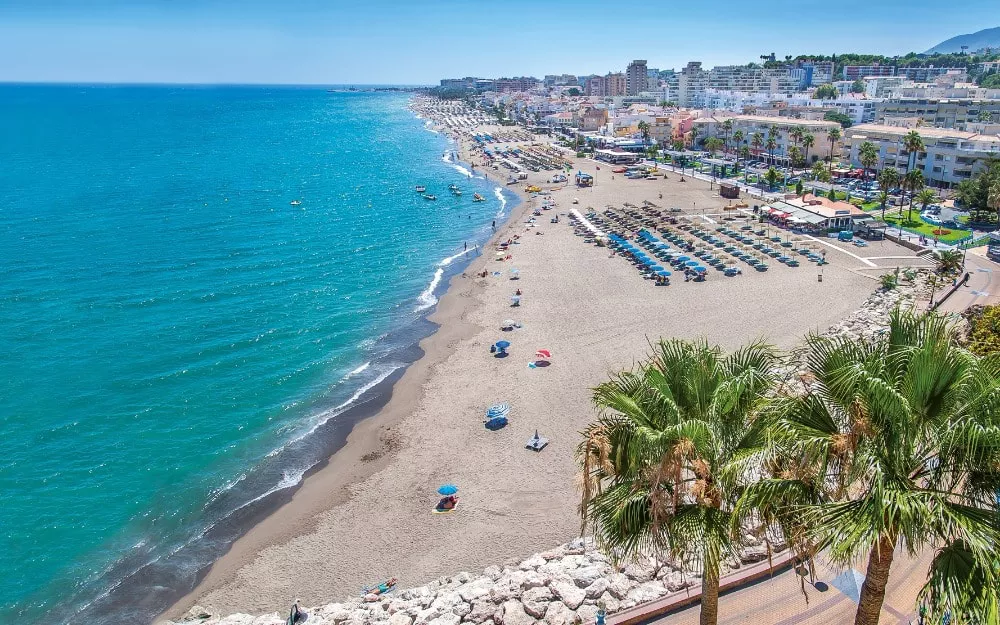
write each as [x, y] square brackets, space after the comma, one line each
[853, 72]
[636, 77]
[949, 157]
[752, 79]
[515, 85]
[858, 109]
[928, 74]
[615, 84]
[691, 85]
[595, 86]
[750, 124]
[942, 113]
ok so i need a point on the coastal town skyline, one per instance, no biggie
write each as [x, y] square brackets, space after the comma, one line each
[310, 43]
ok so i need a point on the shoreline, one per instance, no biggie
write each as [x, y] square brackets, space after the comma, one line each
[354, 523]
[369, 443]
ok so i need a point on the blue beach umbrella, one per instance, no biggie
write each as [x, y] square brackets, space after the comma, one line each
[664, 273]
[498, 410]
[503, 344]
[683, 259]
[691, 263]
[448, 489]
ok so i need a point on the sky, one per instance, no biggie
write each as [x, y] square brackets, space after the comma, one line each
[422, 41]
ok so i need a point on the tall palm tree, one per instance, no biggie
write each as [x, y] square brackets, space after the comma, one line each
[712, 144]
[993, 197]
[913, 144]
[833, 135]
[808, 140]
[906, 432]
[914, 180]
[643, 127]
[744, 153]
[772, 177]
[727, 127]
[868, 155]
[772, 142]
[757, 141]
[738, 137]
[925, 198]
[661, 468]
[888, 178]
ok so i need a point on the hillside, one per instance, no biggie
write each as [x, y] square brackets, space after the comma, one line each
[987, 38]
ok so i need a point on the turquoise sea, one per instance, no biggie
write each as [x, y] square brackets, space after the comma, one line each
[179, 342]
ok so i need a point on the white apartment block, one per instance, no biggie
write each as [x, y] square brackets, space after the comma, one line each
[943, 113]
[750, 124]
[860, 110]
[691, 85]
[949, 157]
[752, 79]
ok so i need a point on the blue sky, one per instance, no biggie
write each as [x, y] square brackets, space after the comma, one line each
[418, 42]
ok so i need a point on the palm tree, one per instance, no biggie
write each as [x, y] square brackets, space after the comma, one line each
[643, 127]
[795, 155]
[796, 134]
[738, 137]
[808, 140]
[913, 144]
[888, 178]
[772, 142]
[757, 141]
[914, 180]
[925, 198]
[993, 197]
[833, 135]
[905, 431]
[661, 467]
[727, 127]
[694, 136]
[868, 155]
[744, 153]
[948, 261]
[712, 144]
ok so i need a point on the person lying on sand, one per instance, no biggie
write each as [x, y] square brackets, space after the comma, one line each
[448, 503]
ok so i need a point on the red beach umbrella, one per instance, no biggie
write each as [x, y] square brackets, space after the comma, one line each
[543, 353]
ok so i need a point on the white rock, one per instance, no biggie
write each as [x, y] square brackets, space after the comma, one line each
[618, 585]
[568, 593]
[641, 570]
[463, 577]
[675, 581]
[533, 579]
[513, 614]
[400, 618]
[585, 576]
[576, 547]
[336, 613]
[426, 615]
[754, 553]
[559, 614]
[493, 572]
[446, 619]
[610, 602]
[647, 591]
[446, 600]
[573, 561]
[536, 601]
[587, 613]
[533, 562]
[597, 588]
[268, 619]
[481, 612]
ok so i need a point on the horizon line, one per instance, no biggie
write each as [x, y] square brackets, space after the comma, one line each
[204, 84]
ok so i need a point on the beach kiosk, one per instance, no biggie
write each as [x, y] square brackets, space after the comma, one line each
[584, 180]
[730, 191]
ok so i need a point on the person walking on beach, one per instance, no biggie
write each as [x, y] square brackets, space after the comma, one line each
[494, 225]
[466, 246]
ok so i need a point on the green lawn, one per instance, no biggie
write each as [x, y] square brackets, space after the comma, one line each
[920, 226]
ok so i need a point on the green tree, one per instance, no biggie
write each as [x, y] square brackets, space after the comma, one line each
[906, 430]
[808, 140]
[948, 261]
[772, 177]
[799, 188]
[913, 144]
[926, 197]
[757, 141]
[991, 82]
[820, 172]
[643, 127]
[573, 91]
[661, 467]
[840, 118]
[727, 128]
[795, 155]
[858, 86]
[868, 156]
[712, 144]
[826, 92]
[914, 181]
[832, 194]
[981, 194]
[833, 136]
[888, 178]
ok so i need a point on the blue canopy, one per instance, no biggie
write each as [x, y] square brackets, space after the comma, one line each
[503, 344]
[498, 410]
[663, 273]
[448, 489]
[691, 263]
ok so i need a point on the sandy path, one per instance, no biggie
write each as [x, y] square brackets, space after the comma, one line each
[596, 314]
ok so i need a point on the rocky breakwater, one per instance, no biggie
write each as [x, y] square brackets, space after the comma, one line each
[562, 586]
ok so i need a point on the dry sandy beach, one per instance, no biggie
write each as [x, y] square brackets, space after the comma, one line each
[367, 516]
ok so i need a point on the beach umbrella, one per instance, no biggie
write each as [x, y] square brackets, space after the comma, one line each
[691, 263]
[498, 410]
[501, 345]
[448, 489]
[508, 323]
[683, 259]
[656, 268]
[543, 353]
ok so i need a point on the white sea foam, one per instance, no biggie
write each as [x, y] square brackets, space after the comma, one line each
[498, 191]
[465, 172]
[357, 371]
[427, 299]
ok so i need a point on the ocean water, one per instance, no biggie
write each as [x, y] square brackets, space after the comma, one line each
[178, 339]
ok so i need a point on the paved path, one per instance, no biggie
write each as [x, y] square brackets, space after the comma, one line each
[840, 249]
[779, 600]
[983, 287]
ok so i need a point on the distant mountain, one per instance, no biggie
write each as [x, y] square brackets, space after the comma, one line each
[987, 38]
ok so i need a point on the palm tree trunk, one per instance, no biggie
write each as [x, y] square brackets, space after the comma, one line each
[873, 590]
[709, 595]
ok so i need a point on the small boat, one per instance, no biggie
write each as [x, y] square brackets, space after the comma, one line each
[452, 187]
[420, 188]
[478, 198]
[428, 196]
[295, 202]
